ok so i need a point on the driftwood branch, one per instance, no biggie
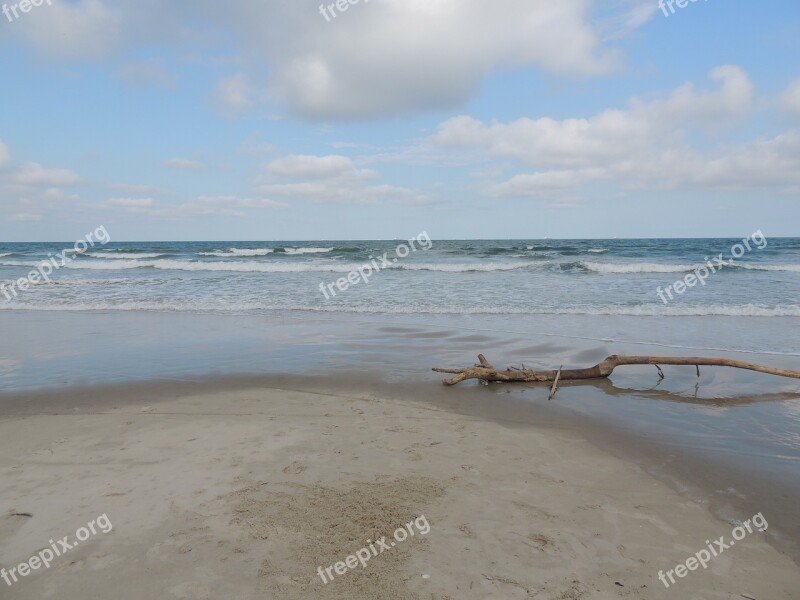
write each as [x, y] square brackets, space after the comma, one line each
[484, 371]
[554, 389]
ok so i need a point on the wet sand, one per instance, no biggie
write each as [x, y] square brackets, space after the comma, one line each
[243, 488]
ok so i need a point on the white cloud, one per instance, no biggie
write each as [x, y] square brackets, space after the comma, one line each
[331, 178]
[233, 95]
[55, 193]
[365, 64]
[758, 163]
[611, 134]
[533, 184]
[319, 75]
[88, 29]
[618, 18]
[201, 206]
[662, 143]
[34, 174]
[30, 189]
[5, 154]
[790, 99]
[317, 167]
[184, 164]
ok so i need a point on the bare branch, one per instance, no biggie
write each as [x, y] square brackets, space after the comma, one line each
[485, 372]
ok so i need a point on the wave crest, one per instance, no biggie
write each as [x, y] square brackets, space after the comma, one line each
[239, 252]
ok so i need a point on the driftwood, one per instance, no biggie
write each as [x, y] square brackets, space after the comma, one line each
[554, 389]
[486, 372]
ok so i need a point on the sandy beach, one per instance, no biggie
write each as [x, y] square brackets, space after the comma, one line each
[246, 492]
[245, 244]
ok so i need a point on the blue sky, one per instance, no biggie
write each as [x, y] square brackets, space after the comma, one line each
[262, 120]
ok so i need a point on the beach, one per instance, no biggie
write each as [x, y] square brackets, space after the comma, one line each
[224, 490]
[213, 426]
[399, 300]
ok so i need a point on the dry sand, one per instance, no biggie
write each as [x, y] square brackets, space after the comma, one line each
[243, 494]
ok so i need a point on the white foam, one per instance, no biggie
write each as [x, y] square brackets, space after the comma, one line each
[307, 250]
[239, 252]
[242, 267]
[19, 263]
[123, 255]
[598, 250]
[623, 268]
[638, 267]
[755, 267]
[307, 267]
[659, 310]
[227, 306]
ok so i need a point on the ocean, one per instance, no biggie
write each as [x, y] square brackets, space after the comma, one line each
[468, 277]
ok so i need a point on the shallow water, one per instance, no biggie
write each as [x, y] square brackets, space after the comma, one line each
[732, 412]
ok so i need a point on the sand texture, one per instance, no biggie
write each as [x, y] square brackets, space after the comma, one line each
[244, 494]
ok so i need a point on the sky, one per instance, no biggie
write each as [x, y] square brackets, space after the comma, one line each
[291, 120]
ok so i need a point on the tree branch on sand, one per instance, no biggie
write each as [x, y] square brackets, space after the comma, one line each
[486, 372]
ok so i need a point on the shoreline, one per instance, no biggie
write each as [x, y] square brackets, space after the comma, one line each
[192, 475]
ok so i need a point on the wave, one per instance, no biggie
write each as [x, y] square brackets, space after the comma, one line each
[499, 250]
[304, 267]
[552, 248]
[98, 261]
[222, 306]
[623, 268]
[123, 255]
[468, 268]
[131, 250]
[307, 250]
[546, 249]
[19, 263]
[242, 267]
[80, 281]
[239, 252]
[244, 252]
[754, 267]
[598, 250]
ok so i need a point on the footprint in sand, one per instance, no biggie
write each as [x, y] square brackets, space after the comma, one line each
[295, 468]
[542, 541]
[466, 530]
